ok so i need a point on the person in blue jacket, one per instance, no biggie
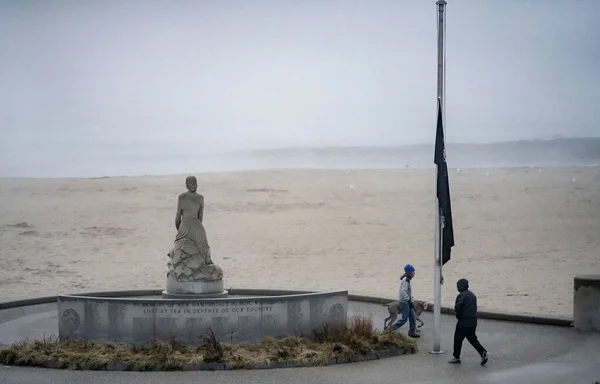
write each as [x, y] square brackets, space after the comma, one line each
[466, 314]
[407, 306]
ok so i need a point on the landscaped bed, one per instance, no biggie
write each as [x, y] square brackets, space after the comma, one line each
[354, 342]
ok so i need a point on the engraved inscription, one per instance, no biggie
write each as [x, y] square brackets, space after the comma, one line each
[166, 328]
[274, 325]
[249, 329]
[272, 319]
[195, 327]
[295, 311]
[244, 321]
[220, 324]
[116, 315]
[216, 308]
[317, 314]
[295, 317]
[142, 327]
[92, 317]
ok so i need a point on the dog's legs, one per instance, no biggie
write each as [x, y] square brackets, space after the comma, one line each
[385, 322]
[392, 320]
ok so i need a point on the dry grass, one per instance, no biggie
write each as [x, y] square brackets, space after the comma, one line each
[357, 338]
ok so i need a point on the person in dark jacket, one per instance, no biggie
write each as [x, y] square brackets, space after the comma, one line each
[466, 313]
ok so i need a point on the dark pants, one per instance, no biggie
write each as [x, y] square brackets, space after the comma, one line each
[460, 333]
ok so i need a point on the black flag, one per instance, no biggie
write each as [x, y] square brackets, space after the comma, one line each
[443, 190]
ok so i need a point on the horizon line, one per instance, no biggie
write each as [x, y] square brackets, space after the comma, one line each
[328, 146]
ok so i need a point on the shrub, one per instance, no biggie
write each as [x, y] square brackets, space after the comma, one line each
[355, 338]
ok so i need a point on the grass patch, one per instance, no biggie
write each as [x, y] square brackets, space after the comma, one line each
[355, 339]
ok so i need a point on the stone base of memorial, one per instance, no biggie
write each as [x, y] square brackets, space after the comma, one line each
[193, 289]
[233, 320]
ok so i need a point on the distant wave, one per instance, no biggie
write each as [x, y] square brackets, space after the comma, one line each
[552, 152]
[96, 160]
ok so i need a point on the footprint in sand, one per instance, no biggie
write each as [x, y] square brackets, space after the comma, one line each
[22, 224]
[96, 231]
[29, 233]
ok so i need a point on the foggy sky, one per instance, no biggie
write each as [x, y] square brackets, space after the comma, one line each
[233, 73]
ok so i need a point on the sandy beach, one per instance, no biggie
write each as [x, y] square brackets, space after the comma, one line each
[521, 234]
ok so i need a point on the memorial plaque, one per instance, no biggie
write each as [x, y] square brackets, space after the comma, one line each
[187, 322]
[198, 320]
[116, 324]
[165, 328]
[121, 324]
[298, 314]
[223, 328]
[143, 329]
[249, 329]
[318, 316]
[274, 326]
[275, 318]
[244, 324]
[195, 327]
[169, 321]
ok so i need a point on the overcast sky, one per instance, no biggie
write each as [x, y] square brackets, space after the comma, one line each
[250, 73]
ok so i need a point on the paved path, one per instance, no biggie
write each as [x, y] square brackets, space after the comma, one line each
[519, 353]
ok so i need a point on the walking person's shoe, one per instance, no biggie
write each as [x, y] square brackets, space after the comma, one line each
[414, 335]
[455, 361]
[484, 358]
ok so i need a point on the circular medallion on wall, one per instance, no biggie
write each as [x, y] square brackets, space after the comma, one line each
[70, 319]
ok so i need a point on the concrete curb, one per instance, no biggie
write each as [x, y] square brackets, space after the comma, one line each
[228, 367]
[27, 302]
[483, 314]
[52, 299]
[531, 318]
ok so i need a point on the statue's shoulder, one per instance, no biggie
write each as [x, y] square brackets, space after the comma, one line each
[191, 196]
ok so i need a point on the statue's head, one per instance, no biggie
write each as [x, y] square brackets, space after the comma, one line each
[191, 183]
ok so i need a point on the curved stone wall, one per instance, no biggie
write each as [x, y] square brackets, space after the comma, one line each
[233, 319]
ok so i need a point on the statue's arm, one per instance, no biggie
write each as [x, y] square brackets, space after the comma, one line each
[178, 214]
[201, 210]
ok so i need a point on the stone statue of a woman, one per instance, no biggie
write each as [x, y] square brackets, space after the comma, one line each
[190, 260]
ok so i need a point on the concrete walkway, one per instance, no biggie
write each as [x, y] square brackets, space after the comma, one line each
[519, 353]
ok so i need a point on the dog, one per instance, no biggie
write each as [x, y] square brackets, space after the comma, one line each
[394, 311]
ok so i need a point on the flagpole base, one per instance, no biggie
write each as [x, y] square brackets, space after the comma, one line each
[436, 352]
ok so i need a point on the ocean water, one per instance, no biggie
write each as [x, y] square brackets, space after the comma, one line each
[42, 160]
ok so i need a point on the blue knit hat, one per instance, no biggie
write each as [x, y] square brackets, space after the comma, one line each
[409, 268]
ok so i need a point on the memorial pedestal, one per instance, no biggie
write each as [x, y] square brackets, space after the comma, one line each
[193, 289]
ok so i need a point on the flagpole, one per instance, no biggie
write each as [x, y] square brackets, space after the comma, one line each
[437, 259]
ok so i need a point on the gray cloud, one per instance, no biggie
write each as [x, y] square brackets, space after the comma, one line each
[274, 73]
